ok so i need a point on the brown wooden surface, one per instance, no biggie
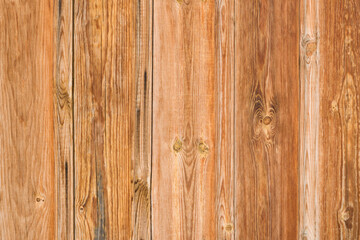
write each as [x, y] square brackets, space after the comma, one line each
[27, 164]
[267, 119]
[179, 119]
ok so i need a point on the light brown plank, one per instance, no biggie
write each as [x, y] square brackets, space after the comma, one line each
[27, 177]
[183, 168]
[266, 119]
[104, 113]
[63, 119]
[224, 128]
[143, 122]
[309, 120]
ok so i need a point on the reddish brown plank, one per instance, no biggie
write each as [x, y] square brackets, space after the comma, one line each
[266, 119]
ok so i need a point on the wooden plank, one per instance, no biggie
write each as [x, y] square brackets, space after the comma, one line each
[266, 119]
[337, 186]
[27, 177]
[309, 121]
[104, 114]
[143, 122]
[183, 168]
[63, 119]
[225, 83]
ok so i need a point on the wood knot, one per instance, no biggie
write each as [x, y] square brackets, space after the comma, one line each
[310, 45]
[229, 227]
[202, 147]
[266, 120]
[177, 145]
[334, 106]
[40, 199]
[81, 208]
[310, 48]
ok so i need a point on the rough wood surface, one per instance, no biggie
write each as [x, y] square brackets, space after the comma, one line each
[141, 204]
[224, 109]
[266, 127]
[338, 137]
[183, 167]
[309, 120]
[63, 119]
[103, 114]
[27, 176]
[179, 119]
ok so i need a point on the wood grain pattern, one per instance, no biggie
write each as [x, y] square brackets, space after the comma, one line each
[27, 177]
[309, 120]
[224, 104]
[183, 172]
[141, 204]
[179, 119]
[104, 91]
[338, 135]
[63, 119]
[266, 162]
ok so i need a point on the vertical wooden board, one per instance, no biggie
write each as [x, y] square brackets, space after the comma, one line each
[338, 187]
[224, 128]
[183, 168]
[63, 119]
[309, 120]
[266, 119]
[27, 177]
[143, 122]
[103, 113]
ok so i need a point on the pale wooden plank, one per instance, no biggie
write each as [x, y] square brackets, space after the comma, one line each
[224, 128]
[266, 119]
[63, 119]
[143, 122]
[27, 177]
[309, 121]
[183, 169]
[104, 114]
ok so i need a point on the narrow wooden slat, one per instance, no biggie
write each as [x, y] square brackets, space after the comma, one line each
[143, 122]
[27, 177]
[224, 149]
[63, 119]
[183, 168]
[266, 119]
[104, 113]
[309, 121]
[338, 54]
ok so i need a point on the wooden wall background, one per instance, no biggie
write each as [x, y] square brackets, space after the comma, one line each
[179, 119]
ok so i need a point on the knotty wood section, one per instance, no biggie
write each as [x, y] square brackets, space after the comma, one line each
[183, 167]
[224, 128]
[309, 120]
[27, 177]
[266, 119]
[143, 122]
[63, 119]
[104, 89]
[337, 180]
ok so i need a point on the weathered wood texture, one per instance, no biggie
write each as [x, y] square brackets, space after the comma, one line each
[267, 114]
[183, 163]
[330, 98]
[27, 177]
[141, 205]
[104, 87]
[179, 119]
[63, 119]
[224, 118]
